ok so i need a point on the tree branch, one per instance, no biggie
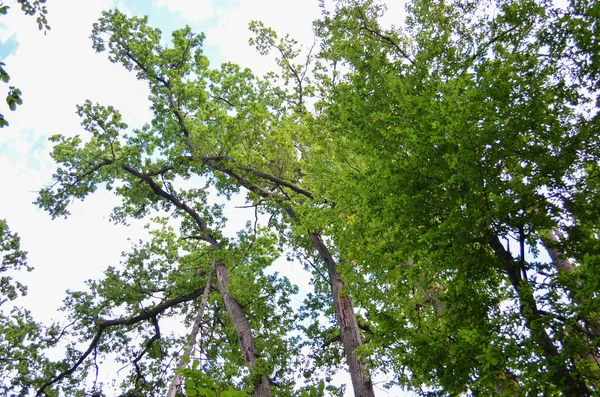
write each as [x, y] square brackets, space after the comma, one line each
[177, 203]
[195, 329]
[103, 325]
[383, 37]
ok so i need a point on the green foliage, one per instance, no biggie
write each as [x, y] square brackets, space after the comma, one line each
[458, 129]
[435, 160]
[167, 167]
[197, 384]
[13, 260]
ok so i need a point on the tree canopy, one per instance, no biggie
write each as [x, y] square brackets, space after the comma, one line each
[438, 179]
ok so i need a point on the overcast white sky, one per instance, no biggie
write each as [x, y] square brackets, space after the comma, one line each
[58, 71]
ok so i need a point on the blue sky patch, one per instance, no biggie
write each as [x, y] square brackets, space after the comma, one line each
[8, 47]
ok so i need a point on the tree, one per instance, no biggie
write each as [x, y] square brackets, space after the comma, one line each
[471, 127]
[192, 128]
[420, 170]
[223, 146]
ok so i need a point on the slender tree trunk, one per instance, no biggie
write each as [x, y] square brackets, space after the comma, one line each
[551, 241]
[176, 382]
[569, 384]
[242, 328]
[238, 317]
[349, 331]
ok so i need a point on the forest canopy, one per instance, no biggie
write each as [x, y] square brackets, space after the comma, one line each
[438, 178]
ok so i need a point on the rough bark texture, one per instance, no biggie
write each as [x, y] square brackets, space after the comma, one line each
[349, 331]
[566, 381]
[242, 328]
[348, 324]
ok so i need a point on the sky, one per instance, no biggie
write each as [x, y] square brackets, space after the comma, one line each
[59, 70]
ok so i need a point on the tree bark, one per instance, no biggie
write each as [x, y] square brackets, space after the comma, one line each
[551, 241]
[238, 317]
[349, 331]
[348, 324]
[242, 328]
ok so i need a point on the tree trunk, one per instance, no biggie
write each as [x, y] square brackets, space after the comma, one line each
[176, 382]
[242, 328]
[349, 331]
[348, 324]
[551, 241]
[569, 384]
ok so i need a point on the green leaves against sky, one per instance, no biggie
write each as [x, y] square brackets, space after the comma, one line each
[438, 179]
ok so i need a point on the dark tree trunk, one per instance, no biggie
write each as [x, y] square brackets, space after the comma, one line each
[349, 331]
[567, 382]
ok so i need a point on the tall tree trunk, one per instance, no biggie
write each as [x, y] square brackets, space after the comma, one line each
[238, 317]
[567, 382]
[551, 241]
[348, 324]
[242, 328]
[176, 382]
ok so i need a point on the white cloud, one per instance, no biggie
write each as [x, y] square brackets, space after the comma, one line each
[189, 11]
[56, 72]
[231, 34]
[60, 70]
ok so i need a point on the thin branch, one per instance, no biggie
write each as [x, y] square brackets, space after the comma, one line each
[161, 171]
[150, 341]
[330, 341]
[103, 325]
[79, 178]
[192, 341]
[55, 339]
[177, 203]
[255, 228]
[220, 98]
[326, 279]
[9, 359]
[383, 37]
[279, 181]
